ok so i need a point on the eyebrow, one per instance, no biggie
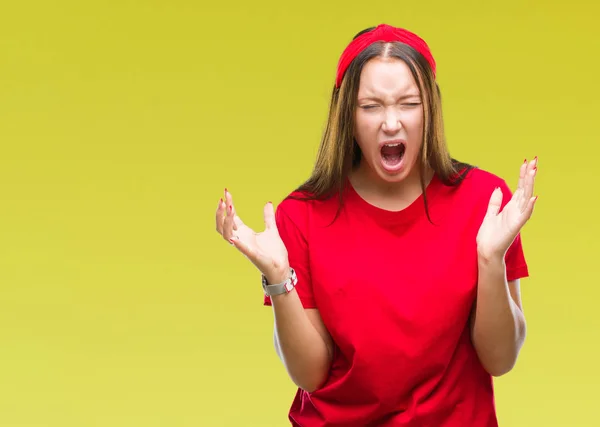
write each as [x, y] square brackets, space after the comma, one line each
[375, 98]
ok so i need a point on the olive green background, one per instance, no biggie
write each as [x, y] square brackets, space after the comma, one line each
[122, 121]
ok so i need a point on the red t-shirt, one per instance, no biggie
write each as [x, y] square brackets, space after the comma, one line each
[395, 292]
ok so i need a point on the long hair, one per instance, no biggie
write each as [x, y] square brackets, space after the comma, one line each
[339, 152]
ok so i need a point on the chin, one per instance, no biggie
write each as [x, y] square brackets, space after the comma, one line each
[397, 172]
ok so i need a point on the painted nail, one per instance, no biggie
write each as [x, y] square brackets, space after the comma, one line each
[230, 208]
[524, 161]
[231, 240]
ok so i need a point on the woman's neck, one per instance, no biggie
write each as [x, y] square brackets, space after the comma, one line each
[393, 196]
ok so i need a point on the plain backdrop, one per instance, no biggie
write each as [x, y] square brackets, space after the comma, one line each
[121, 122]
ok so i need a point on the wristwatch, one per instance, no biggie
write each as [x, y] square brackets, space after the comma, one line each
[280, 288]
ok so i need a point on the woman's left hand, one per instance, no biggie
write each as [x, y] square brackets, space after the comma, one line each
[499, 229]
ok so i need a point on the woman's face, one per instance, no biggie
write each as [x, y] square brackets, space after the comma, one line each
[389, 120]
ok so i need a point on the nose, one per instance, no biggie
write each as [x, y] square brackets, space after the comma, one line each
[391, 122]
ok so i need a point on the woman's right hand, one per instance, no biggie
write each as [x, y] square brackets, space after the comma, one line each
[265, 250]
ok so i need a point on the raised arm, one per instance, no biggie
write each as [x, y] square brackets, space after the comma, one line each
[301, 339]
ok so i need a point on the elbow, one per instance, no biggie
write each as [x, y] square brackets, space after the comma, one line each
[309, 388]
[501, 364]
[310, 384]
[308, 369]
[499, 370]
[307, 378]
[500, 358]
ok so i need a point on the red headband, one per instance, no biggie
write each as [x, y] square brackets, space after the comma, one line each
[384, 33]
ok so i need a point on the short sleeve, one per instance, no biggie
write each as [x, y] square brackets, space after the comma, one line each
[516, 265]
[291, 218]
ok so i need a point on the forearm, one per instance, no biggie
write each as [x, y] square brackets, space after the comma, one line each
[499, 326]
[300, 346]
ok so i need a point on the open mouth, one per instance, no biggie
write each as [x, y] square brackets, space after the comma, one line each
[393, 153]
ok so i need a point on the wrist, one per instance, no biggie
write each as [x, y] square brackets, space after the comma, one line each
[487, 256]
[278, 276]
[284, 287]
[490, 261]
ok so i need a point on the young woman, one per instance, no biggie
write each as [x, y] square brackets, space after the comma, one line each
[393, 271]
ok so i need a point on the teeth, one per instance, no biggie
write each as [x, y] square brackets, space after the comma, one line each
[393, 145]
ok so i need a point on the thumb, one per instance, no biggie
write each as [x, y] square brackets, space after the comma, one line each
[495, 202]
[269, 215]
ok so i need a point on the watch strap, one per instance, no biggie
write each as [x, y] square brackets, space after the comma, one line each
[280, 288]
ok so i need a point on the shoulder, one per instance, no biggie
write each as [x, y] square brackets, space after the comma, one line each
[294, 211]
[301, 209]
[295, 204]
[475, 190]
[480, 182]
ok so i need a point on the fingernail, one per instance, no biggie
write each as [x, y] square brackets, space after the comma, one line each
[230, 208]
[270, 203]
[535, 159]
[525, 161]
[225, 189]
[231, 240]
